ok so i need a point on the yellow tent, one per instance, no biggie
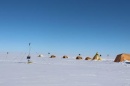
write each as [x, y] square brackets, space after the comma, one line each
[122, 57]
[87, 58]
[97, 57]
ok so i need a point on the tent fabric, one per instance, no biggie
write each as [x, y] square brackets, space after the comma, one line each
[53, 56]
[78, 57]
[97, 57]
[122, 57]
[65, 56]
[87, 58]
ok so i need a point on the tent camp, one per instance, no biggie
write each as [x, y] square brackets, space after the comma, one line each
[65, 56]
[122, 57]
[97, 57]
[87, 58]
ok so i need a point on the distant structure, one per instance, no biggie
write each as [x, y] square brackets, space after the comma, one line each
[53, 56]
[79, 57]
[29, 57]
[88, 58]
[40, 55]
[122, 57]
[97, 57]
[65, 56]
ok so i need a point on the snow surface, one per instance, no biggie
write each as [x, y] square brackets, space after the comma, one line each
[45, 71]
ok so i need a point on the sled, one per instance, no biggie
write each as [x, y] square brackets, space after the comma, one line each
[29, 62]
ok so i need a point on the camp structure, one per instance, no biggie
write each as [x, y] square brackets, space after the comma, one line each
[87, 58]
[40, 55]
[78, 57]
[97, 57]
[122, 57]
[65, 56]
[28, 58]
[52, 56]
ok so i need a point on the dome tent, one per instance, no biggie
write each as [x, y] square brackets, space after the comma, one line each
[87, 58]
[53, 56]
[78, 57]
[65, 56]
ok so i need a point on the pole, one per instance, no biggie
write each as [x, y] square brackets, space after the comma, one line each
[6, 56]
[29, 57]
[48, 54]
[29, 48]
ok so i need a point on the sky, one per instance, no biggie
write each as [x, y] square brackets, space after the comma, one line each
[65, 27]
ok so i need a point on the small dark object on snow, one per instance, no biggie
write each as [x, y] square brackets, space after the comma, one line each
[28, 57]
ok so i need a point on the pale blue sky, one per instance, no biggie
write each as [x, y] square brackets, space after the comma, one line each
[65, 26]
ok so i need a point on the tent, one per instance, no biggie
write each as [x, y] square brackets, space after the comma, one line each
[97, 57]
[78, 57]
[65, 56]
[122, 57]
[87, 58]
[53, 56]
[40, 55]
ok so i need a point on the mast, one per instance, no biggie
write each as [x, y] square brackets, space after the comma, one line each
[29, 57]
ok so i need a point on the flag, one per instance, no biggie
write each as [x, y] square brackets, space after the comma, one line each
[29, 44]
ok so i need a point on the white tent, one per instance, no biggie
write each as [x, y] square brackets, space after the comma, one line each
[40, 55]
